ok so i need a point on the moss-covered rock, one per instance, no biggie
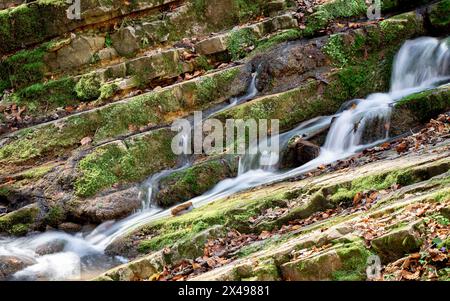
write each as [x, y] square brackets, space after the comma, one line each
[397, 243]
[343, 262]
[186, 184]
[439, 16]
[424, 105]
[150, 109]
[21, 221]
[88, 87]
[123, 162]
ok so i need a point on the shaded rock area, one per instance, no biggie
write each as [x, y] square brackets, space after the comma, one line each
[194, 181]
[299, 152]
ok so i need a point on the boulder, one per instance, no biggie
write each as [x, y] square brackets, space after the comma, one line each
[396, 244]
[112, 206]
[299, 152]
[70, 227]
[78, 53]
[212, 45]
[51, 247]
[12, 264]
[126, 41]
[186, 184]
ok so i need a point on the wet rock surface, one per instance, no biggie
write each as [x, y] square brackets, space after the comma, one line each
[299, 152]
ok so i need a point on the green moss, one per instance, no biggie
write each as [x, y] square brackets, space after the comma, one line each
[203, 63]
[375, 182]
[287, 35]
[50, 95]
[186, 184]
[233, 213]
[115, 163]
[5, 191]
[19, 222]
[440, 14]
[107, 91]
[354, 262]
[249, 9]
[38, 172]
[333, 10]
[88, 87]
[240, 41]
[427, 104]
[52, 2]
[27, 23]
[54, 216]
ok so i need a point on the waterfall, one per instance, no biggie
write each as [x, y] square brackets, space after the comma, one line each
[420, 64]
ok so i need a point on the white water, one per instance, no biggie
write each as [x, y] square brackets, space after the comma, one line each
[421, 64]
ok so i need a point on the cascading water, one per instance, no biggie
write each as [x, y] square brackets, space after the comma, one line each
[420, 64]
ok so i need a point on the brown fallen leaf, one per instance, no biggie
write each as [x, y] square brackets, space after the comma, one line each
[410, 276]
[402, 147]
[357, 198]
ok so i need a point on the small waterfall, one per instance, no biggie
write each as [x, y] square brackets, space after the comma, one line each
[419, 65]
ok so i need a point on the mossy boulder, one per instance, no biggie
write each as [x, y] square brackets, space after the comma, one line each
[439, 16]
[132, 161]
[21, 221]
[186, 184]
[396, 244]
[420, 107]
[342, 262]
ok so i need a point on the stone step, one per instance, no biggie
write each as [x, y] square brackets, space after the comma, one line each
[35, 22]
[83, 51]
[102, 84]
[121, 118]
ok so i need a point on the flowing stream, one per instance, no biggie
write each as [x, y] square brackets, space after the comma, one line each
[421, 64]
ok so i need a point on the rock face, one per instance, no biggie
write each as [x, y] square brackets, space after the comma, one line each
[78, 53]
[299, 152]
[86, 112]
[194, 181]
[397, 244]
[110, 207]
[125, 41]
[329, 265]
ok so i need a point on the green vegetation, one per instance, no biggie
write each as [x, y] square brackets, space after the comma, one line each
[194, 181]
[440, 14]
[427, 104]
[117, 163]
[19, 222]
[55, 216]
[284, 36]
[240, 41]
[234, 214]
[354, 262]
[333, 10]
[107, 90]
[88, 87]
[51, 94]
